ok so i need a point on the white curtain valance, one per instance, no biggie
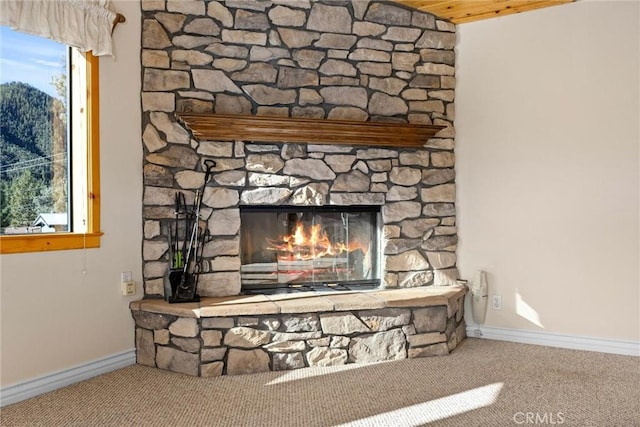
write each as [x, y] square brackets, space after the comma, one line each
[84, 24]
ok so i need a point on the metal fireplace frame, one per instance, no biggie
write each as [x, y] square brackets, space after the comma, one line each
[352, 285]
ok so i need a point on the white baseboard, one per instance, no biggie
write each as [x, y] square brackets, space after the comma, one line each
[46, 383]
[551, 339]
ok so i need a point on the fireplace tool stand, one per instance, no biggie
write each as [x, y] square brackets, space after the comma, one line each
[185, 255]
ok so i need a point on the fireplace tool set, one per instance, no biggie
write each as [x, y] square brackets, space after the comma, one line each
[186, 245]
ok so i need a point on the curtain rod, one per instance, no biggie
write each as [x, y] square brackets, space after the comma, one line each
[118, 20]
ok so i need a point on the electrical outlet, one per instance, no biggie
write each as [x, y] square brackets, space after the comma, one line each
[128, 288]
[496, 302]
[126, 276]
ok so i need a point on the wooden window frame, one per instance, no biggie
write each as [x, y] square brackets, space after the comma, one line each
[44, 242]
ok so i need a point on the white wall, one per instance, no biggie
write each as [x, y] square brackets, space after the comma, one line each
[547, 166]
[54, 316]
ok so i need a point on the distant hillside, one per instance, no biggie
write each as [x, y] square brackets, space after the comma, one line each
[25, 125]
[27, 152]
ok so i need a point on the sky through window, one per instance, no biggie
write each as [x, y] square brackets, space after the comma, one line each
[30, 59]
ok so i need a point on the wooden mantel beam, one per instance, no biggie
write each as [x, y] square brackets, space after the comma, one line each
[219, 127]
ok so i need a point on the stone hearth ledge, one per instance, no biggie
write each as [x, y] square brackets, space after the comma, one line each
[307, 302]
[258, 333]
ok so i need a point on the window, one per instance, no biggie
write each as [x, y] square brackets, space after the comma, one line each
[50, 197]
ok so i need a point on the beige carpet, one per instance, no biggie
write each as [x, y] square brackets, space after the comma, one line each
[483, 383]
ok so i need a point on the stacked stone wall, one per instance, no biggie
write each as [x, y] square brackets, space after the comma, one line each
[356, 60]
[214, 346]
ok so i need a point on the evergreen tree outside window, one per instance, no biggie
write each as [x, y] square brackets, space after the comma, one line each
[49, 181]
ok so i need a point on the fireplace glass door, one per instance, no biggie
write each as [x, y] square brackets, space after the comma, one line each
[292, 248]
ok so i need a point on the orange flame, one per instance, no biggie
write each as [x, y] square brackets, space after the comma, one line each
[309, 244]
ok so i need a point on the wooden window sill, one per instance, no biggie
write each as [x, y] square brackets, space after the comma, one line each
[45, 242]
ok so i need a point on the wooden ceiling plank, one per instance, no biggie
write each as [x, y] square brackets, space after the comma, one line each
[467, 8]
[454, 9]
[417, 3]
[514, 8]
[461, 11]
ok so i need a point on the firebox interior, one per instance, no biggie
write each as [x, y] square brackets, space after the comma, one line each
[294, 248]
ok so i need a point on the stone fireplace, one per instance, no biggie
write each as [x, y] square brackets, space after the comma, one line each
[362, 61]
[369, 61]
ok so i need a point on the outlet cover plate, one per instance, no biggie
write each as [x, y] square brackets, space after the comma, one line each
[496, 302]
[128, 288]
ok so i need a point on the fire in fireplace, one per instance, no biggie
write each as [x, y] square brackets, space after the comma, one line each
[294, 248]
